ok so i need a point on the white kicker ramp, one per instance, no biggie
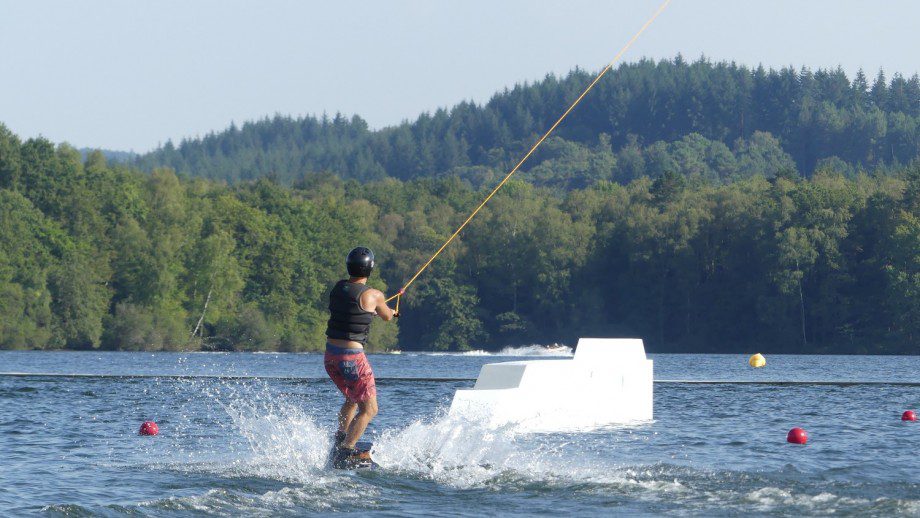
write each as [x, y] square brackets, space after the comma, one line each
[608, 382]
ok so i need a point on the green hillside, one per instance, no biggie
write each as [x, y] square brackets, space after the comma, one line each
[719, 121]
[94, 254]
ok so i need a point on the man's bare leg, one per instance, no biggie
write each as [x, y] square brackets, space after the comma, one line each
[366, 411]
[346, 414]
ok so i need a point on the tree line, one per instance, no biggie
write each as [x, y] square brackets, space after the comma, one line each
[807, 118]
[103, 255]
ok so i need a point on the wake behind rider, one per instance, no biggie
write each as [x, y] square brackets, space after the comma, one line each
[352, 307]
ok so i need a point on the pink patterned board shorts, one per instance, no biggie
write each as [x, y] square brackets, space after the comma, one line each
[351, 373]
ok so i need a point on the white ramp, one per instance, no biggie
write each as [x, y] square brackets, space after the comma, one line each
[608, 382]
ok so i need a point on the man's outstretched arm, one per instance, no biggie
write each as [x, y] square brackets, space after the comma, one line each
[380, 306]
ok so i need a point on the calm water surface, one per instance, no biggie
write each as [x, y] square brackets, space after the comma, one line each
[255, 443]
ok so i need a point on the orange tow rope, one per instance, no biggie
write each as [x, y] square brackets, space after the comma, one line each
[552, 128]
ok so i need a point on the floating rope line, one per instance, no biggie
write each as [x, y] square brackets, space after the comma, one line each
[552, 128]
[308, 379]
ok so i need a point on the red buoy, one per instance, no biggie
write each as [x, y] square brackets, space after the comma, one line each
[908, 415]
[797, 436]
[149, 428]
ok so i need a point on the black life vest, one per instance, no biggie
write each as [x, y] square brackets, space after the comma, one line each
[347, 321]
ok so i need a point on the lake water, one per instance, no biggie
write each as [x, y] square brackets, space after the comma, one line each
[247, 434]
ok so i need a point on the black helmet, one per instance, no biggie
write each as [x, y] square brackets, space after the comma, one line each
[360, 262]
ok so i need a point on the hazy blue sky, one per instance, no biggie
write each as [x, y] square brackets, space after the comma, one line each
[129, 75]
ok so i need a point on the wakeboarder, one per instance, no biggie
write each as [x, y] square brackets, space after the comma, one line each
[352, 307]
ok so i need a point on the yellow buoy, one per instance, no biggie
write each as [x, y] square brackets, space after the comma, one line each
[757, 361]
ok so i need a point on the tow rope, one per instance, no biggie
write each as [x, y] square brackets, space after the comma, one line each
[552, 128]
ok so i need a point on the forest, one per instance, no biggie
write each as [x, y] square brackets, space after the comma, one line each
[703, 207]
[99, 255]
[637, 122]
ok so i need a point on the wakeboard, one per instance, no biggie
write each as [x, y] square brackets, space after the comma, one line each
[359, 461]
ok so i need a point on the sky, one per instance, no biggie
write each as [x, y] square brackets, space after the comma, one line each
[127, 75]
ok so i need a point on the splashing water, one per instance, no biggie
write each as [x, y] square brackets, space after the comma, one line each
[264, 438]
[282, 438]
[468, 452]
[277, 438]
[246, 428]
[462, 453]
